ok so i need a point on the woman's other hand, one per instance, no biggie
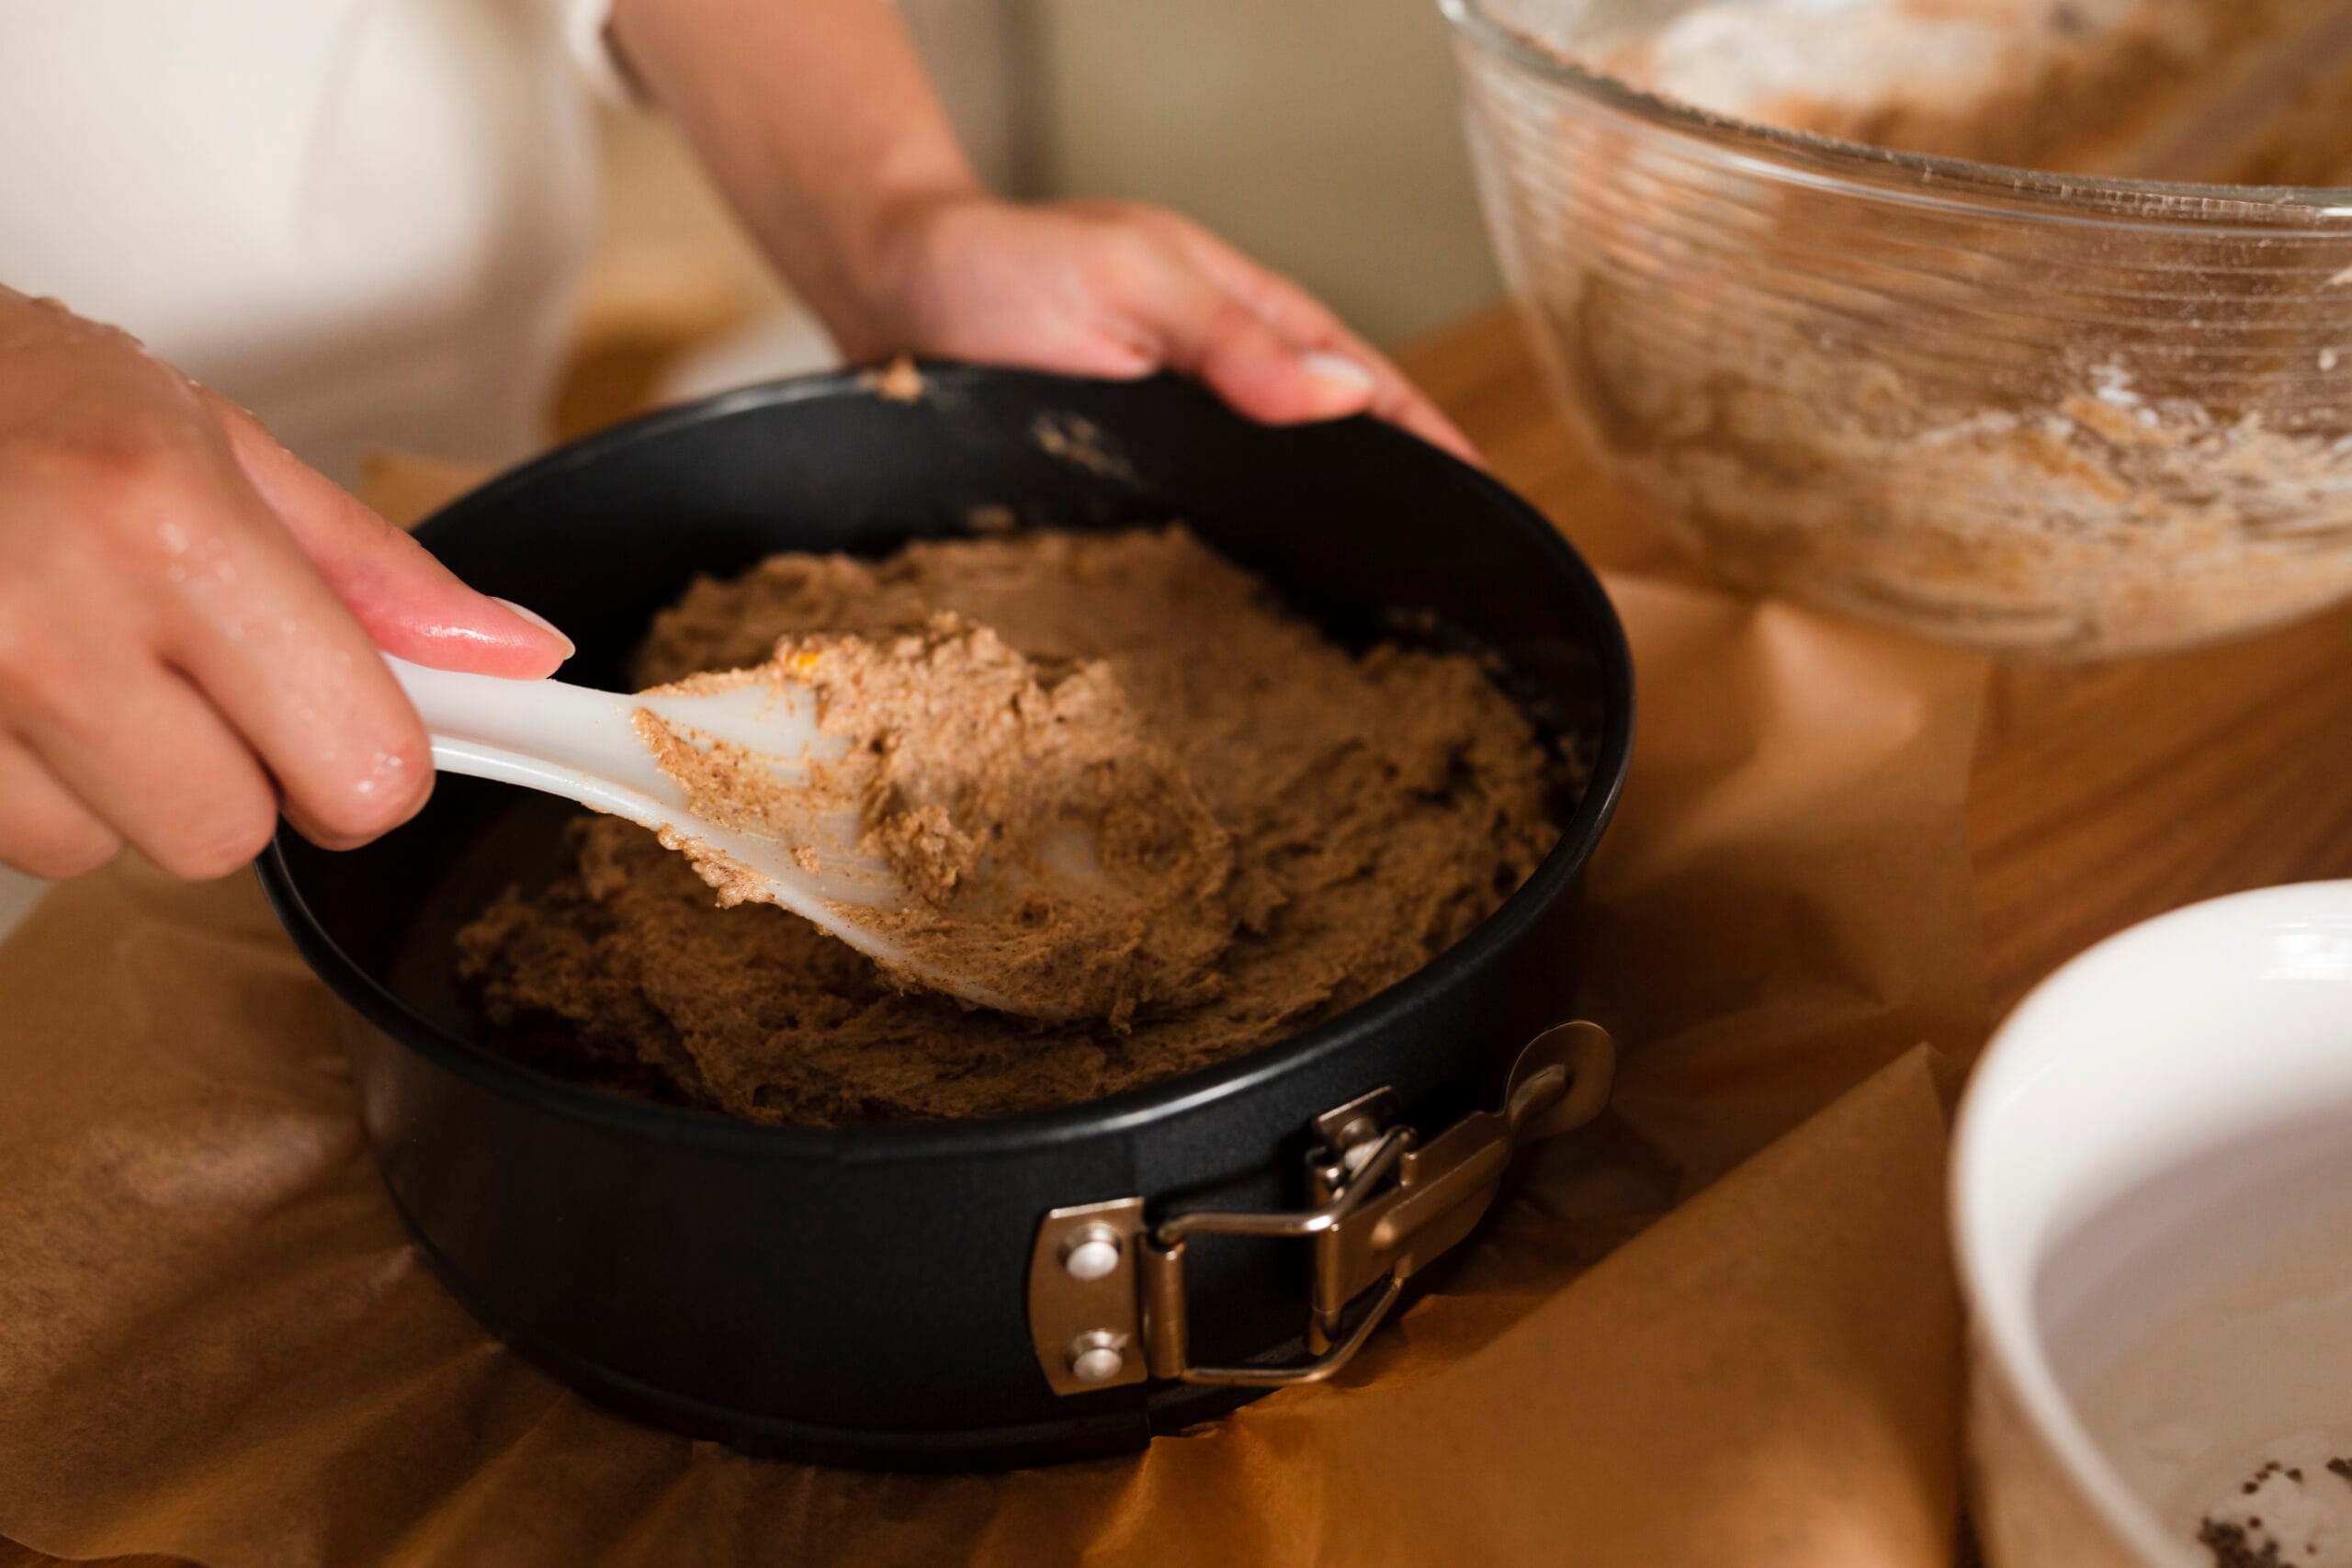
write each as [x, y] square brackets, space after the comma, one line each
[822, 126]
[1106, 288]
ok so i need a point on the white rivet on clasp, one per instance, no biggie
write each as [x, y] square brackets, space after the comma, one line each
[1090, 1360]
[1093, 1253]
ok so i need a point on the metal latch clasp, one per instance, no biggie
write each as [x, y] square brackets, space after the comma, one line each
[1107, 1298]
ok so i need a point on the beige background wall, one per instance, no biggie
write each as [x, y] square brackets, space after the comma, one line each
[1320, 134]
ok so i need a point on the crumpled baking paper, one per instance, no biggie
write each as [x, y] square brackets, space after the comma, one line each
[1718, 1327]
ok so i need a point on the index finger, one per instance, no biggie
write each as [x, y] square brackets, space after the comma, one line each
[1308, 325]
[278, 655]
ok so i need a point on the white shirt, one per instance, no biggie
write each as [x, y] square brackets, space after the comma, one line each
[362, 219]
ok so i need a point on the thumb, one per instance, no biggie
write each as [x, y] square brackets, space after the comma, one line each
[409, 603]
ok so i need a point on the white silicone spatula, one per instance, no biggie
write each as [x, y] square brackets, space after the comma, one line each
[582, 745]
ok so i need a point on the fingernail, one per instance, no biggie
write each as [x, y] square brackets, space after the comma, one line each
[1338, 367]
[570, 647]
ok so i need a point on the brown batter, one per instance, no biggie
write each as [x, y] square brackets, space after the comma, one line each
[1058, 862]
[1378, 806]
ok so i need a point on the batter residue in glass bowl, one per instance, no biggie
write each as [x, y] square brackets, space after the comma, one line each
[2082, 422]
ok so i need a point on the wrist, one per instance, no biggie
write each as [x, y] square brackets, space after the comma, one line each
[883, 255]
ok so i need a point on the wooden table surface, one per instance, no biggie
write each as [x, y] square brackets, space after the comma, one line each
[2102, 793]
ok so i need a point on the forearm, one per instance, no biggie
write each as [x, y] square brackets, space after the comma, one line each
[818, 122]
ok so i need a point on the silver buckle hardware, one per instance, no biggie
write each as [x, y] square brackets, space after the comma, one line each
[1107, 1299]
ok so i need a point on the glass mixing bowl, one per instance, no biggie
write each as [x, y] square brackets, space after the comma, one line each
[2030, 413]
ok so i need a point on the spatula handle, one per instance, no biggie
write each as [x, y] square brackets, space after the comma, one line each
[543, 734]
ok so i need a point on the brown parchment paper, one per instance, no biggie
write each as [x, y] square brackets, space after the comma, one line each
[1719, 1327]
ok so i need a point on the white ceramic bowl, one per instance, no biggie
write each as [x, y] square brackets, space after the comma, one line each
[2123, 1124]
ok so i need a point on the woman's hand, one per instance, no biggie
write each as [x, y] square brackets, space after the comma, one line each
[1103, 289]
[821, 125]
[190, 619]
